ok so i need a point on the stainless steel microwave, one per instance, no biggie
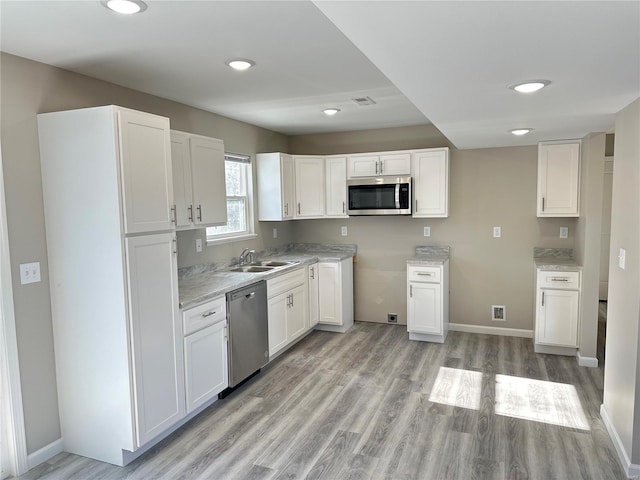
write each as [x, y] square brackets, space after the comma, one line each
[379, 196]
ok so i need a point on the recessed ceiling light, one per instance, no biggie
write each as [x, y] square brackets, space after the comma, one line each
[530, 86]
[521, 131]
[331, 111]
[241, 64]
[126, 7]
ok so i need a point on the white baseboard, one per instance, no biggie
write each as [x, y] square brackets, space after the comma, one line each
[45, 453]
[591, 362]
[504, 332]
[632, 470]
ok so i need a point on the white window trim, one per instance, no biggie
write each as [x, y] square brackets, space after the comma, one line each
[249, 234]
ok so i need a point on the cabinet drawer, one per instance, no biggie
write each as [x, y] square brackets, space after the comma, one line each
[425, 274]
[278, 285]
[197, 318]
[558, 279]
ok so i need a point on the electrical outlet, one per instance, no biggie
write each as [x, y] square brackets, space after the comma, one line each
[198, 245]
[392, 318]
[427, 231]
[497, 232]
[275, 233]
[498, 313]
[29, 272]
[343, 231]
[564, 232]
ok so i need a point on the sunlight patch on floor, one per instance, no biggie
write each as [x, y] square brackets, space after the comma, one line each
[537, 400]
[540, 401]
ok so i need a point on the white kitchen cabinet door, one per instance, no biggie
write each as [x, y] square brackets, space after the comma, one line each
[309, 186]
[557, 321]
[206, 372]
[277, 309]
[297, 314]
[425, 308]
[366, 165]
[147, 177]
[156, 338]
[330, 293]
[314, 309]
[559, 179]
[395, 164]
[181, 168]
[275, 186]
[336, 187]
[431, 183]
[208, 180]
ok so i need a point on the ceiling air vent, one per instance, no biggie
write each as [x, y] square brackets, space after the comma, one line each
[364, 101]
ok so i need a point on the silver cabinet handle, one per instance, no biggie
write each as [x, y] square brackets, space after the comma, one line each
[298, 208]
[381, 164]
[174, 218]
[209, 313]
[286, 209]
[416, 204]
[425, 274]
[344, 209]
[411, 291]
[543, 298]
[190, 208]
[199, 213]
[543, 204]
[376, 167]
[559, 279]
[175, 246]
[313, 275]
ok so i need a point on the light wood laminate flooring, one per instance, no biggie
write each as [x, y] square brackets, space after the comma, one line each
[372, 404]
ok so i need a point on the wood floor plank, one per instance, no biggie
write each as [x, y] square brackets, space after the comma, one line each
[371, 404]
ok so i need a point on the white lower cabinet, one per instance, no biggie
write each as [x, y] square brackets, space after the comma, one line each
[335, 295]
[157, 367]
[287, 309]
[428, 302]
[557, 311]
[205, 352]
[314, 307]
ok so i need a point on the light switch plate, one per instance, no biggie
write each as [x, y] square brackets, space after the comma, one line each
[622, 258]
[427, 231]
[343, 231]
[198, 245]
[564, 232]
[497, 232]
[29, 272]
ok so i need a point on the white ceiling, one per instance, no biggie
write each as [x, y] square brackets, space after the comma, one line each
[445, 62]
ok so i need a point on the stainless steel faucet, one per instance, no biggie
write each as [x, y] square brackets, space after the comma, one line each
[242, 259]
[251, 256]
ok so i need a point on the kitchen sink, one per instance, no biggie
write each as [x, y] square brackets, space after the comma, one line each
[252, 269]
[263, 266]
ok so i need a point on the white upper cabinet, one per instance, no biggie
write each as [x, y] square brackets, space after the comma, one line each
[145, 156]
[199, 180]
[559, 179]
[336, 187]
[275, 186]
[377, 164]
[309, 186]
[431, 183]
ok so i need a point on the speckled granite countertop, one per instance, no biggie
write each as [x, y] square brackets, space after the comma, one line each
[202, 283]
[560, 259]
[429, 256]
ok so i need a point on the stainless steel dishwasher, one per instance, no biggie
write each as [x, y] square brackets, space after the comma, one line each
[248, 331]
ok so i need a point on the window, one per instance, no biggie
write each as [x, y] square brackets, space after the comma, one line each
[239, 201]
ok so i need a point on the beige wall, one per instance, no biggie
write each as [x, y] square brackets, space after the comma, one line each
[622, 365]
[588, 237]
[29, 88]
[489, 187]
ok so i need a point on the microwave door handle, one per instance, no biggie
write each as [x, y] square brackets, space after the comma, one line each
[397, 195]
